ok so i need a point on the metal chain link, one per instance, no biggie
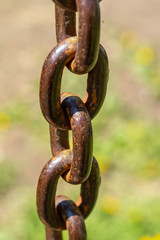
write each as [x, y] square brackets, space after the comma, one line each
[66, 111]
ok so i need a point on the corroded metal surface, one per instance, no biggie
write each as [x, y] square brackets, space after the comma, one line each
[65, 23]
[67, 4]
[72, 217]
[88, 33]
[51, 77]
[66, 111]
[53, 234]
[82, 138]
[47, 185]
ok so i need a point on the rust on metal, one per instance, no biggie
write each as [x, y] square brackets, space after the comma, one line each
[88, 33]
[59, 140]
[47, 185]
[67, 111]
[50, 85]
[72, 217]
[53, 234]
[65, 23]
[67, 4]
[82, 138]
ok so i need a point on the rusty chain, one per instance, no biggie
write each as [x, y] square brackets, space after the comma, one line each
[66, 111]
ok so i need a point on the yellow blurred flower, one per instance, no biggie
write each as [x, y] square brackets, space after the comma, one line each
[156, 237]
[5, 121]
[144, 55]
[145, 238]
[110, 205]
[128, 40]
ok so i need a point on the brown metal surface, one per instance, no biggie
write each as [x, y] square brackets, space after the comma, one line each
[67, 4]
[47, 185]
[66, 111]
[59, 140]
[53, 234]
[88, 33]
[65, 23]
[82, 138]
[72, 217]
[50, 85]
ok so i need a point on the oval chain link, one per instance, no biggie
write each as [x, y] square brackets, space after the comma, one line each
[88, 33]
[50, 85]
[66, 111]
[47, 185]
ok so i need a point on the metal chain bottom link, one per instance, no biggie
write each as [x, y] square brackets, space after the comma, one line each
[67, 111]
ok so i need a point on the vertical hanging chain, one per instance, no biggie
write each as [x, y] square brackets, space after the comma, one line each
[67, 111]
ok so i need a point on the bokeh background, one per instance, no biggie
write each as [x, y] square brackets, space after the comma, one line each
[126, 131]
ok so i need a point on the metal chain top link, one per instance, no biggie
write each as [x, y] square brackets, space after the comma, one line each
[67, 111]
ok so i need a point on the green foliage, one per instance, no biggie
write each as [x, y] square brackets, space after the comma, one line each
[126, 146]
[8, 175]
[136, 144]
[134, 220]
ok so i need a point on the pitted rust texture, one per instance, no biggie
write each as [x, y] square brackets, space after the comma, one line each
[52, 234]
[59, 140]
[88, 33]
[50, 85]
[82, 138]
[67, 4]
[66, 111]
[65, 23]
[72, 217]
[47, 185]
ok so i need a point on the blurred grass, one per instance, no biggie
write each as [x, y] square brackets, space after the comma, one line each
[134, 220]
[126, 146]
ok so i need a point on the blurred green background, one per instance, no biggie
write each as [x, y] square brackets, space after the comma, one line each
[126, 131]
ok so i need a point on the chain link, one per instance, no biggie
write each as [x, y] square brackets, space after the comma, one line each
[66, 111]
